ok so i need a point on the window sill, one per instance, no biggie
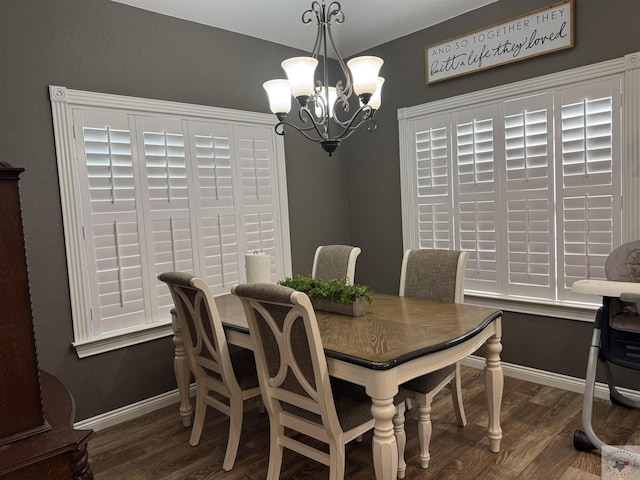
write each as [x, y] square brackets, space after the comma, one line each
[584, 312]
[103, 344]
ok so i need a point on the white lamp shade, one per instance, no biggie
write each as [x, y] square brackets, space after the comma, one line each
[300, 72]
[279, 95]
[332, 100]
[364, 73]
[376, 98]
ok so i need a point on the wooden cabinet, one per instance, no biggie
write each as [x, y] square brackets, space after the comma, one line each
[37, 438]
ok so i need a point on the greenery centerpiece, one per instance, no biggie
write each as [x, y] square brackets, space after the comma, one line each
[332, 296]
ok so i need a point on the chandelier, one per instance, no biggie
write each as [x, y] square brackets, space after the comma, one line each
[325, 111]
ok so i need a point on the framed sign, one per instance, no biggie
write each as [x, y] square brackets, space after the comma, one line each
[535, 33]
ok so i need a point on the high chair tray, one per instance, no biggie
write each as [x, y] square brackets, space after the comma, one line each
[605, 288]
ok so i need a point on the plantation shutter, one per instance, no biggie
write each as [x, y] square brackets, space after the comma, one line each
[528, 195]
[475, 195]
[588, 200]
[163, 175]
[258, 193]
[115, 254]
[220, 255]
[433, 206]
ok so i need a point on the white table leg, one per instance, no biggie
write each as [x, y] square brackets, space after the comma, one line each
[385, 450]
[181, 370]
[493, 386]
[382, 386]
[401, 438]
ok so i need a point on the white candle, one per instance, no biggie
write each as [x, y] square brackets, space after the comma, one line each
[258, 267]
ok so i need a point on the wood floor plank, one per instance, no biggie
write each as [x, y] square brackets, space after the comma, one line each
[536, 426]
[550, 462]
[576, 474]
[537, 422]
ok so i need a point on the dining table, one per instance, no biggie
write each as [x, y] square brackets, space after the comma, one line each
[396, 340]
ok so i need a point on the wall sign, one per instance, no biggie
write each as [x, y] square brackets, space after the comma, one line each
[535, 33]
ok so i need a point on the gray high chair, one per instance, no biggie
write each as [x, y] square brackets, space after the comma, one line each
[616, 333]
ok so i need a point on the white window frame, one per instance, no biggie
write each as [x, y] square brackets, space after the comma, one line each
[628, 68]
[64, 102]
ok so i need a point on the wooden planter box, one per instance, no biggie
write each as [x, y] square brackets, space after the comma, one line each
[354, 309]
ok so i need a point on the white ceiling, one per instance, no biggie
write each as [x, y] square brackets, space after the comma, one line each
[367, 22]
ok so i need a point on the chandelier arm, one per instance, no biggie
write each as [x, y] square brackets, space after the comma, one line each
[323, 133]
[355, 122]
[348, 132]
[335, 10]
[322, 107]
[310, 128]
[279, 129]
[366, 111]
[347, 88]
[326, 32]
[374, 125]
[306, 116]
[316, 11]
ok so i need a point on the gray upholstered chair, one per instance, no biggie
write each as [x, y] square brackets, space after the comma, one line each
[299, 394]
[434, 275]
[218, 372]
[335, 262]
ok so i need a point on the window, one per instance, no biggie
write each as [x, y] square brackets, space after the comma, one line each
[153, 186]
[527, 178]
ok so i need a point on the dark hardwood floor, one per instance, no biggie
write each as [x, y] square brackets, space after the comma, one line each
[537, 422]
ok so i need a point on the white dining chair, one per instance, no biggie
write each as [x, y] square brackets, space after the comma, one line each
[434, 275]
[302, 400]
[219, 373]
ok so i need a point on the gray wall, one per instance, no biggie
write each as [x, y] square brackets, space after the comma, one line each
[352, 197]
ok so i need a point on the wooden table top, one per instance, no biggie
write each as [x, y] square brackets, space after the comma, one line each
[393, 331]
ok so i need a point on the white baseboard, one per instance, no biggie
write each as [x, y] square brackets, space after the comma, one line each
[556, 380]
[550, 379]
[133, 411]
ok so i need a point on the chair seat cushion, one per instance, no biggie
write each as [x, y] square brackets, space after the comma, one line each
[429, 381]
[353, 405]
[244, 366]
